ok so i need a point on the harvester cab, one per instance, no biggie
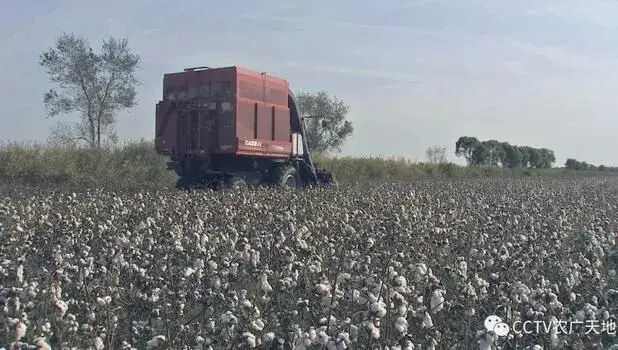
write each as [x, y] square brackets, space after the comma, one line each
[229, 126]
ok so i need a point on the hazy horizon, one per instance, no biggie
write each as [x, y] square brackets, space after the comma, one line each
[414, 73]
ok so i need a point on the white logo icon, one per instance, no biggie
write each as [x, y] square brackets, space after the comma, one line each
[494, 324]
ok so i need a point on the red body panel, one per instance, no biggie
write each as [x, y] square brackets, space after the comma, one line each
[234, 110]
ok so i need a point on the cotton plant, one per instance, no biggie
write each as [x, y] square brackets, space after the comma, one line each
[313, 269]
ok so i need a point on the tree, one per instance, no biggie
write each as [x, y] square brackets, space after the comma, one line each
[534, 157]
[331, 129]
[465, 147]
[436, 154]
[525, 155]
[495, 152]
[571, 163]
[480, 155]
[95, 86]
[512, 156]
[546, 158]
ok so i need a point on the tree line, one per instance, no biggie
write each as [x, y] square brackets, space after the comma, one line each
[575, 164]
[500, 153]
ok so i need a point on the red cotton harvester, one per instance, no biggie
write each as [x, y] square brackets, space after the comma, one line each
[229, 126]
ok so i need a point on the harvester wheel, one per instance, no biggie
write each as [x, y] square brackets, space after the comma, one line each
[286, 176]
[236, 183]
[183, 184]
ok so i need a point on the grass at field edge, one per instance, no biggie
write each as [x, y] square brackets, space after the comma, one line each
[136, 166]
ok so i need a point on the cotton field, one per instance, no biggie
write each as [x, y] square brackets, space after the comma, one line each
[392, 266]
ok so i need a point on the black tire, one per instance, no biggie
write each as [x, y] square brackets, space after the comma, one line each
[236, 183]
[183, 184]
[286, 176]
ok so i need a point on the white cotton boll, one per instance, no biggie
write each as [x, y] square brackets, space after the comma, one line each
[228, 318]
[255, 258]
[402, 310]
[580, 315]
[379, 309]
[189, 271]
[400, 281]
[421, 268]
[20, 330]
[353, 332]
[323, 338]
[20, 274]
[122, 241]
[264, 285]
[375, 333]
[555, 341]
[427, 321]
[46, 327]
[344, 277]
[401, 325]
[407, 345]
[302, 244]
[99, 344]
[198, 264]
[572, 297]
[42, 344]
[216, 282]
[437, 301]
[306, 342]
[61, 308]
[268, 337]
[199, 340]
[312, 336]
[463, 268]
[432, 344]
[356, 295]
[249, 339]
[344, 336]
[322, 289]
[257, 325]
[372, 297]
[233, 269]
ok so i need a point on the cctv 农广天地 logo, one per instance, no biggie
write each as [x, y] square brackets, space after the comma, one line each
[495, 324]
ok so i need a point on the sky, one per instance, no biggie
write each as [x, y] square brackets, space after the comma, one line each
[414, 73]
